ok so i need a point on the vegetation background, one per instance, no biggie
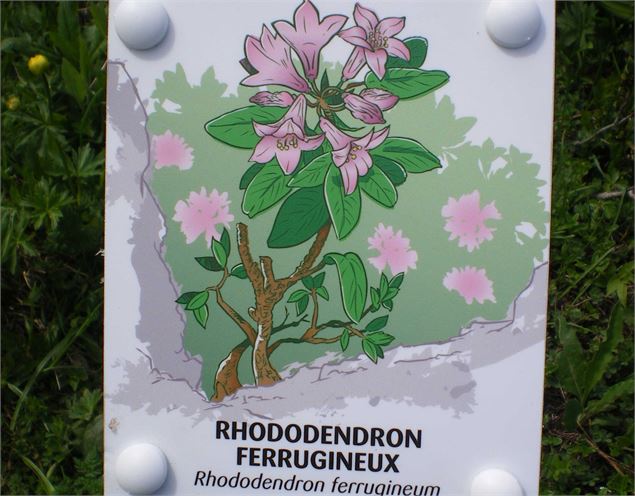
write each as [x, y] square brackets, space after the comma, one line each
[52, 148]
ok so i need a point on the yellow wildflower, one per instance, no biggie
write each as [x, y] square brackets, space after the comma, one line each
[38, 64]
[12, 103]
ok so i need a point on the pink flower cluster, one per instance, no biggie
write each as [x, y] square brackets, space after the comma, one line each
[394, 250]
[203, 214]
[471, 283]
[465, 220]
[171, 150]
[269, 59]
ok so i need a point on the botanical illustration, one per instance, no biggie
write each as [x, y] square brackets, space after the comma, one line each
[296, 212]
[322, 174]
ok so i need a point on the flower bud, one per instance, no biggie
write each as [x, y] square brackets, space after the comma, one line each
[38, 64]
[268, 99]
[12, 103]
[383, 99]
[362, 109]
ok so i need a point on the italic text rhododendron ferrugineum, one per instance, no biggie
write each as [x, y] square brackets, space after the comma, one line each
[308, 152]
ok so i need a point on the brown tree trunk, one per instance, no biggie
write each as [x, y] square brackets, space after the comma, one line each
[226, 381]
[268, 291]
[265, 374]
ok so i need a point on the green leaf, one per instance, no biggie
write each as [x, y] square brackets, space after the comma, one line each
[44, 480]
[302, 304]
[297, 295]
[265, 190]
[74, 84]
[383, 286]
[408, 153]
[224, 240]
[201, 314]
[344, 339]
[396, 281]
[377, 324]
[236, 128]
[219, 253]
[570, 363]
[308, 282]
[299, 218]
[378, 187]
[323, 293]
[391, 293]
[395, 172]
[380, 338]
[318, 280]
[197, 301]
[353, 283]
[595, 370]
[609, 397]
[239, 271]
[209, 263]
[418, 50]
[250, 173]
[408, 83]
[344, 209]
[388, 305]
[371, 349]
[185, 298]
[572, 410]
[313, 174]
[324, 82]
[374, 298]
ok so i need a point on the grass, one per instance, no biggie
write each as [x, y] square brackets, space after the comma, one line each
[52, 214]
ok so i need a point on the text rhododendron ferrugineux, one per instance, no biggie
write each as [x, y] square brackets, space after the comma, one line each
[315, 160]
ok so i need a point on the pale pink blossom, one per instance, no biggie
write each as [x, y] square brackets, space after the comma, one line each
[205, 214]
[471, 283]
[270, 56]
[268, 99]
[171, 150]
[285, 139]
[373, 41]
[308, 35]
[466, 220]
[363, 110]
[385, 100]
[394, 250]
[350, 154]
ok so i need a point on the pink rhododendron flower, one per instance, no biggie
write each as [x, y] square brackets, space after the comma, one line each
[270, 56]
[268, 99]
[383, 99]
[394, 251]
[362, 109]
[471, 283]
[350, 154]
[374, 41]
[307, 35]
[466, 220]
[170, 149]
[203, 213]
[285, 139]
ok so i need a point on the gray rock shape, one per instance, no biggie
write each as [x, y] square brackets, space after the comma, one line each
[161, 324]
